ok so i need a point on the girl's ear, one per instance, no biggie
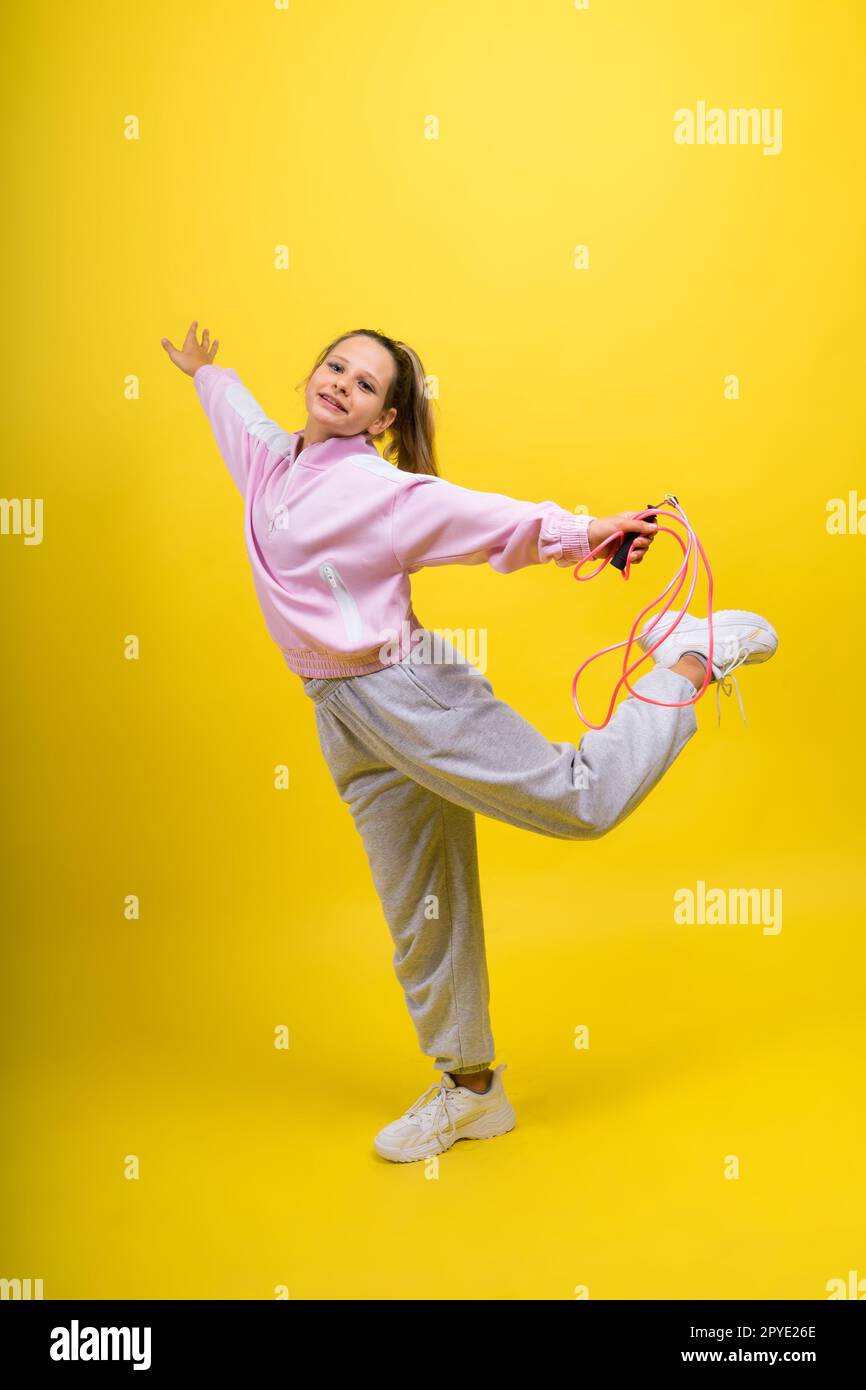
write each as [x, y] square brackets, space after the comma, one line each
[387, 421]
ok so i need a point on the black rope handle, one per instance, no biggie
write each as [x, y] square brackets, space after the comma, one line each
[621, 555]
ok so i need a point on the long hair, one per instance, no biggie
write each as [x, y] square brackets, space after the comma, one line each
[411, 436]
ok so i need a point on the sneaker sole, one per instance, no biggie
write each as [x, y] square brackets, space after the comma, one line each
[486, 1127]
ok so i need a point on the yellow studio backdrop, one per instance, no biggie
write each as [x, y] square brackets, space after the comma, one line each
[606, 314]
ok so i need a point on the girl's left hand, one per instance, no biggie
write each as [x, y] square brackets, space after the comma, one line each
[639, 549]
[608, 526]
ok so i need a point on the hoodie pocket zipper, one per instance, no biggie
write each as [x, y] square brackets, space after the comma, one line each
[345, 601]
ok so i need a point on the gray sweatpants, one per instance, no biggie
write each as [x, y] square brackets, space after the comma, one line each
[415, 750]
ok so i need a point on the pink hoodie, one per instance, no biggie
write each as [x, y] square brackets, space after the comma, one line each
[334, 532]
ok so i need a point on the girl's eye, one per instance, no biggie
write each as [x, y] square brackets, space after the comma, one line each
[338, 367]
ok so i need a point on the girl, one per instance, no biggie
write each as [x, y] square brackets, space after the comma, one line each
[414, 737]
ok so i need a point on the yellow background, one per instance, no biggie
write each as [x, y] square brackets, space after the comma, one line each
[601, 388]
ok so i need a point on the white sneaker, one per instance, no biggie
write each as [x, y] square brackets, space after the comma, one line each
[444, 1113]
[739, 639]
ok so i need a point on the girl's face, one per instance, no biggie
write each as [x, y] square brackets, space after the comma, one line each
[356, 376]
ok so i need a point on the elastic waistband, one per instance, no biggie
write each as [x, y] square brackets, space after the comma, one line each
[310, 664]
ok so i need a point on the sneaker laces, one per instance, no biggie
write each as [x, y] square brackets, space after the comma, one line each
[427, 1115]
[724, 685]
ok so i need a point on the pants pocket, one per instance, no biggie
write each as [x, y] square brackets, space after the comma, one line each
[450, 683]
[427, 687]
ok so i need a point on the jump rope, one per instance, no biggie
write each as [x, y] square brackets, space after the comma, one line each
[621, 560]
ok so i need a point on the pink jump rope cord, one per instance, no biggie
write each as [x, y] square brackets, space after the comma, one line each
[688, 552]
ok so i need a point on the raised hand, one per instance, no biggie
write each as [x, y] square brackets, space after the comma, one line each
[605, 527]
[193, 354]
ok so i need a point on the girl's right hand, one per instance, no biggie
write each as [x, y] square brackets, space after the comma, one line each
[193, 354]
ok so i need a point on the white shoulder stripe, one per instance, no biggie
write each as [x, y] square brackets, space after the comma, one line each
[256, 421]
[374, 463]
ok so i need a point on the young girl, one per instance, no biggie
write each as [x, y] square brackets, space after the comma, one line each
[413, 734]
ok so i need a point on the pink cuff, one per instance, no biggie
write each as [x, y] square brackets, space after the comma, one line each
[571, 531]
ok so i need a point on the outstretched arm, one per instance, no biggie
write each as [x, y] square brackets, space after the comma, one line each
[436, 522]
[243, 431]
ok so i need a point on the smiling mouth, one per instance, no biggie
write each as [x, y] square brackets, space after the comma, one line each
[332, 404]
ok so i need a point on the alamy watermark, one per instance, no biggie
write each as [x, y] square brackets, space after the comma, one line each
[435, 646]
[715, 907]
[22, 516]
[846, 516]
[736, 126]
